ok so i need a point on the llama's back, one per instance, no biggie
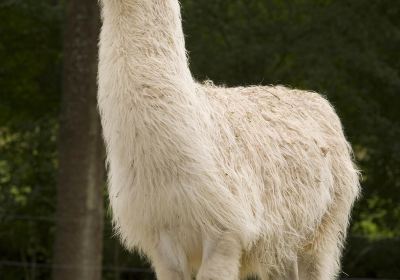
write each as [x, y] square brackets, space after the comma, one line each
[284, 156]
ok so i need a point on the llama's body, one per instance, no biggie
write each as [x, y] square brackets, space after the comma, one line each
[220, 181]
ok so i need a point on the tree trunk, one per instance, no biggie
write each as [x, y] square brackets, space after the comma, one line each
[79, 231]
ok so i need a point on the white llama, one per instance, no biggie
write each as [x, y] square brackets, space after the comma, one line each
[224, 183]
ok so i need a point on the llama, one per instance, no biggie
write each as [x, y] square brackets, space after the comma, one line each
[222, 183]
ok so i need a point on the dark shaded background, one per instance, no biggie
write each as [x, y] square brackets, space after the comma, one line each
[346, 50]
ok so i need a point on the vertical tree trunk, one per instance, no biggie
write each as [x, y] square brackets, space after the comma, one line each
[78, 244]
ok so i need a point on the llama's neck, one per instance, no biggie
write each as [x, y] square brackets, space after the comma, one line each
[153, 118]
[145, 39]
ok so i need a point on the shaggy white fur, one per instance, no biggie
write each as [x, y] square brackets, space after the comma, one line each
[222, 182]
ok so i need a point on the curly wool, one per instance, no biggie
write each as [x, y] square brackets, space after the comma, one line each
[196, 170]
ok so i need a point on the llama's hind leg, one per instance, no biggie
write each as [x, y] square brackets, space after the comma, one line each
[320, 260]
[320, 264]
[221, 258]
[169, 259]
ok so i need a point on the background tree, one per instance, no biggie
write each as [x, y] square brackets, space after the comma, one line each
[78, 244]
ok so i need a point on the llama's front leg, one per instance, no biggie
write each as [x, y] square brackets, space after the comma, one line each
[169, 259]
[221, 258]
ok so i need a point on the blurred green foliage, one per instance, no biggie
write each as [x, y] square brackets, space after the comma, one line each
[346, 50]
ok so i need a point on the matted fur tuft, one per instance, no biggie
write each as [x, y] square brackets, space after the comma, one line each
[229, 182]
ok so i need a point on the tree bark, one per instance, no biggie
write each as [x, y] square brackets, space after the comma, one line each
[79, 229]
